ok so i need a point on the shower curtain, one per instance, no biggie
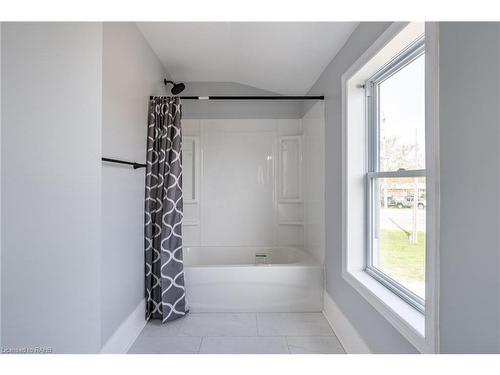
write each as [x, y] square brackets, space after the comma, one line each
[165, 293]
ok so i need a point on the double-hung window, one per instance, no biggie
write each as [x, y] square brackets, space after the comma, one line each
[396, 175]
[390, 179]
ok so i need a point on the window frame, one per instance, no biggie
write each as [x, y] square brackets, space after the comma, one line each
[371, 86]
[421, 330]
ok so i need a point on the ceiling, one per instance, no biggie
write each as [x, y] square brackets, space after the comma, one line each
[283, 57]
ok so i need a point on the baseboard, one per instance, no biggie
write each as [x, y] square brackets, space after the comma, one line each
[127, 333]
[348, 336]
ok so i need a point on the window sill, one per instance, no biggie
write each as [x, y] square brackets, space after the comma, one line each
[406, 319]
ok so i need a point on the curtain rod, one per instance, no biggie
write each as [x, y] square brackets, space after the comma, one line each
[319, 97]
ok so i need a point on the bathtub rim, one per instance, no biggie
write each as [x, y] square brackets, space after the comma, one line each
[307, 261]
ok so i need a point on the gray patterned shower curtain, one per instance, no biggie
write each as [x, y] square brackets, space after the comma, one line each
[165, 293]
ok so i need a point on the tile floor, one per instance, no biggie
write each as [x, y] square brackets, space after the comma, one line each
[240, 333]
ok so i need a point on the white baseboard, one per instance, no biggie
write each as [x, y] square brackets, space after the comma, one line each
[127, 333]
[348, 336]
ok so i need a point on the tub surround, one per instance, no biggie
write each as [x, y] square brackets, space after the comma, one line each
[313, 126]
[233, 166]
[247, 183]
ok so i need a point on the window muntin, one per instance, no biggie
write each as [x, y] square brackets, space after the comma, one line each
[396, 174]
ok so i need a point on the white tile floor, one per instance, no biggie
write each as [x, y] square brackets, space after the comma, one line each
[235, 333]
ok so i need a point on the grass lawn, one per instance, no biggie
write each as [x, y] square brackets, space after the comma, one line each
[402, 260]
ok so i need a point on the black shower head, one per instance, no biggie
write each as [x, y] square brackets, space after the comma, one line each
[178, 87]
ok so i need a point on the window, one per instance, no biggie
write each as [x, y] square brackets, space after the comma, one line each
[395, 115]
[390, 180]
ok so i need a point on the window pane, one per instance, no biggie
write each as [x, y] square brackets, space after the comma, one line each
[399, 231]
[402, 118]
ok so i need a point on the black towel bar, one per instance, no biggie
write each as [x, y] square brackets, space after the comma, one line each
[132, 163]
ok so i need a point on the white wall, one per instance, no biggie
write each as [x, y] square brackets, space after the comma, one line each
[313, 177]
[238, 203]
[470, 184]
[51, 180]
[131, 73]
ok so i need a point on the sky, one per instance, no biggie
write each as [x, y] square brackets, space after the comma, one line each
[402, 106]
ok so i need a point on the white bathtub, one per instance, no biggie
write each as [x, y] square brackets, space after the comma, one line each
[227, 279]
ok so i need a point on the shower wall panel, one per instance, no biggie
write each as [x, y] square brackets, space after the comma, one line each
[238, 169]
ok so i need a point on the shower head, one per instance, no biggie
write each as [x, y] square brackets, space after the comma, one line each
[177, 87]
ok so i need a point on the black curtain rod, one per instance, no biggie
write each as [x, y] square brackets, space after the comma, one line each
[139, 165]
[132, 163]
[320, 97]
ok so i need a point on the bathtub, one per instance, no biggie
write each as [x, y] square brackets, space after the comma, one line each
[252, 279]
